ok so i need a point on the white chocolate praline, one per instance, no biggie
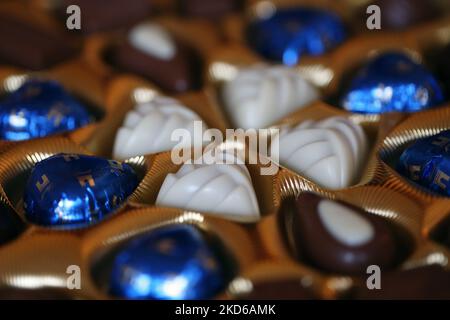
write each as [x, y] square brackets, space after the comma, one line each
[329, 152]
[260, 95]
[148, 128]
[153, 40]
[222, 189]
[344, 224]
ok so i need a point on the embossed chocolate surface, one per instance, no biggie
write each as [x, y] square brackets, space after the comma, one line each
[148, 127]
[337, 237]
[219, 188]
[330, 152]
[260, 95]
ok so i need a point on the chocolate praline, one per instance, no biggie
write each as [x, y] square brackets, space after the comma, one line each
[429, 282]
[337, 237]
[27, 43]
[154, 53]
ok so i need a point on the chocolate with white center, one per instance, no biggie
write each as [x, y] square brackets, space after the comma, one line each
[148, 127]
[225, 189]
[337, 237]
[152, 52]
[260, 95]
[330, 152]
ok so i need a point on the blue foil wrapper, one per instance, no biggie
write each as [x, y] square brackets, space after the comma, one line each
[169, 263]
[10, 224]
[40, 108]
[76, 190]
[392, 82]
[427, 163]
[288, 34]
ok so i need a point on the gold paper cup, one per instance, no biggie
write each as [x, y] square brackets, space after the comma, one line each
[267, 279]
[404, 214]
[425, 124]
[16, 165]
[201, 36]
[40, 258]
[162, 165]
[73, 77]
[123, 93]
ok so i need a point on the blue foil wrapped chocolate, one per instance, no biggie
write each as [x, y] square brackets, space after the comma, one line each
[69, 190]
[392, 82]
[287, 34]
[168, 263]
[40, 108]
[427, 163]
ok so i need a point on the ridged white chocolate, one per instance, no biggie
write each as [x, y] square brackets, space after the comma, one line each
[329, 152]
[260, 95]
[223, 189]
[148, 127]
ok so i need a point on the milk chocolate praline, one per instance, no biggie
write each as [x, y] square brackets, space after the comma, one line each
[337, 237]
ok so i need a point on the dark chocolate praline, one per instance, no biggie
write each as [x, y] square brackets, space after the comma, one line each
[337, 237]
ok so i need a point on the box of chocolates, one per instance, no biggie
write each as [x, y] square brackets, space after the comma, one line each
[230, 149]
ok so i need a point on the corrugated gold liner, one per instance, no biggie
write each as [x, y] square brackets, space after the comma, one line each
[161, 165]
[17, 162]
[123, 93]
[40, 257]
[272, 270]
[200, 35]
[435, 214]
[423, 124]
[139, 221]
[398, 208]
[76, 79]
